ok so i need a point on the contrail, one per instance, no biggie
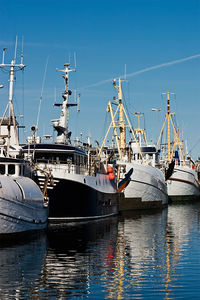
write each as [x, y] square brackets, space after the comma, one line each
[177, 61]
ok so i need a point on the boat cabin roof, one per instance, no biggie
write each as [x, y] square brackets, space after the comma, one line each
[57, 148]
[5, 160]
[148, 149]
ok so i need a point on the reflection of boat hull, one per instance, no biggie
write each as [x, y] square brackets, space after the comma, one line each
[183, 184]
[21, 263]
[147, 188]
[81, 197]
[21, 206]
[75, 251]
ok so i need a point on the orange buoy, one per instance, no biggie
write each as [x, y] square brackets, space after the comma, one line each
[111, 176]
[109, 169]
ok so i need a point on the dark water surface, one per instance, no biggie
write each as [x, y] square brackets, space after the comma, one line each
[134, 256]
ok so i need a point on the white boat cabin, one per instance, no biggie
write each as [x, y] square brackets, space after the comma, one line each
[14, 167]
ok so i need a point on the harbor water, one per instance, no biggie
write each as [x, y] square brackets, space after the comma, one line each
[154, 255]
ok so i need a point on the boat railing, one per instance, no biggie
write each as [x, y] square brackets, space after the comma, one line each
[66, 168]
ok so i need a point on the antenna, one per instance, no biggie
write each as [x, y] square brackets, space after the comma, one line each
[78, 103]
[75, 61]
[55, 95]
[125, 72]
[15, 49]
[22, 55]
[4, 50]
[77, 100]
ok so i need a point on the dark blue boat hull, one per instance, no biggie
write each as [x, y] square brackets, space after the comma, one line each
[73, 200]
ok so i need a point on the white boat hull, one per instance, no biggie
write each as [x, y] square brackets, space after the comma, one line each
[183, 184]
[21, 206]
[147, 188]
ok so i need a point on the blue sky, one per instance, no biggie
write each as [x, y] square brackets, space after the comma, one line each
[106, 36]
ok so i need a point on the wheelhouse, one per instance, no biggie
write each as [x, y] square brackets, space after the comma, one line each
[14, 167]
[56, 154]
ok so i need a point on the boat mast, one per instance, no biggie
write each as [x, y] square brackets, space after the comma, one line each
[122, 126]
[61, 125]
[168, 127]
[121, 140]
[139, 131]
[10, 108]
[177, 141]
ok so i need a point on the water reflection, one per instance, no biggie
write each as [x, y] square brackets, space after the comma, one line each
[21, 264]
[78, 255]
[182, 235]
[134, 256]
[141, 248]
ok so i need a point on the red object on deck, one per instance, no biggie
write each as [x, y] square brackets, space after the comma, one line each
[109, 169]
[111, 176]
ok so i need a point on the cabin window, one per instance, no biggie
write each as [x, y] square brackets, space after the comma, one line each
[81, 160]
[2, 169]
[69, 159]
[76, 159]
[11, 169]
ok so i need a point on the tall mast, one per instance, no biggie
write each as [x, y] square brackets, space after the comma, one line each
[10, 108]
[122, 127]
[120, 111]
[61, 125]
[139, 131]
[177, 141]
[168, 127]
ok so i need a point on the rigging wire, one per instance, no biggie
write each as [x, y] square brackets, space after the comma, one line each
[194, 146]
[105, 124]
[45, 71]
[23, 121]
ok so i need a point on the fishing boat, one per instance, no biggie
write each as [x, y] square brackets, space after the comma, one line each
[183, 183]
[22, 204]
[147, 187]
[79, 188]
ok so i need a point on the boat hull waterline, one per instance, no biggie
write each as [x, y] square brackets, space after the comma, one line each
[183, 184]
[146, 190]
